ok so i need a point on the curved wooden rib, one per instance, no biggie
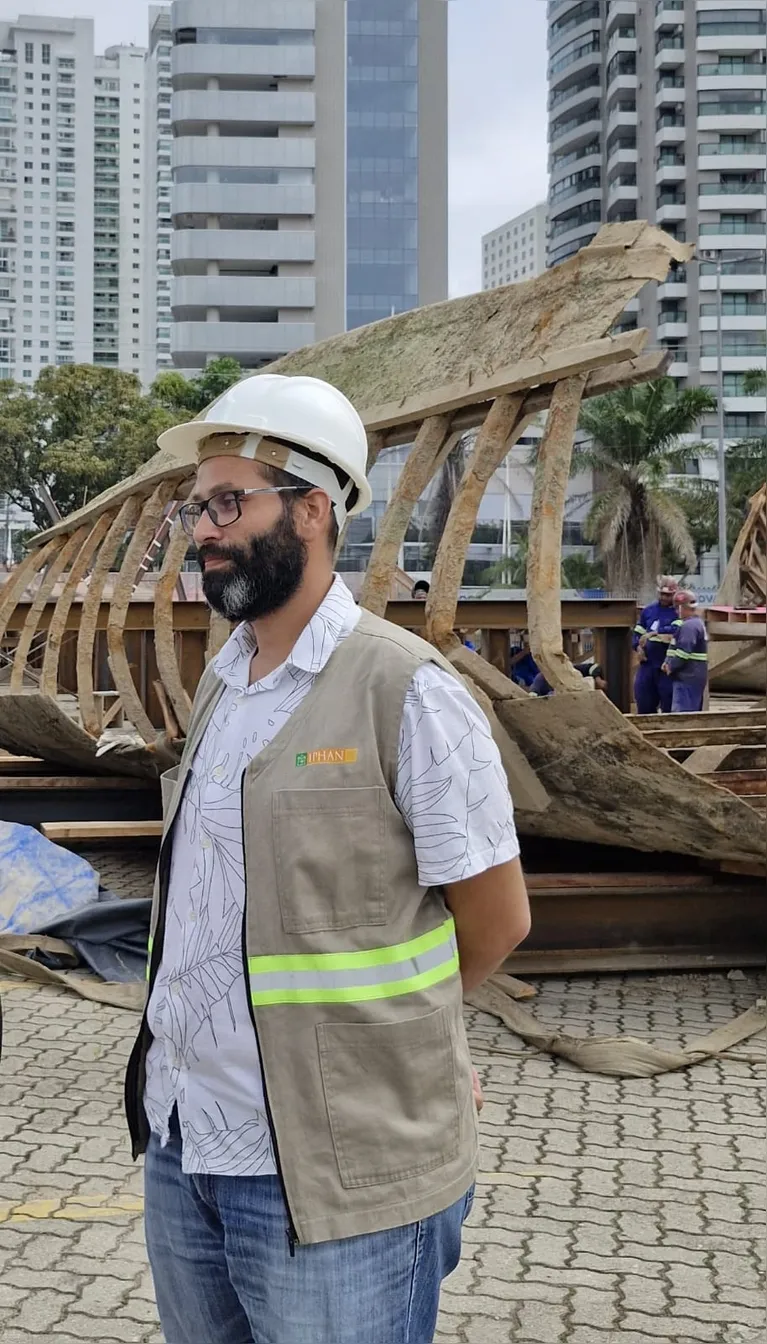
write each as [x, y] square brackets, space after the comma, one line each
[376, 444]
[89, 614]
[502, 427]
[54, 570]
[164, 637]
[13, 588]
[544, 561]
[151, 517]
[78, 569]
[433, 443]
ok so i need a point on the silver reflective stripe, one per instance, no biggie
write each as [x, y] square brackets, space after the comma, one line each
[364, 976]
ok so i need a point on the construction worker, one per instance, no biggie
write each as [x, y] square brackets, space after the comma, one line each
[420, 590]
[339, 866]
[687, 663]
[542, 688]
[652, 637]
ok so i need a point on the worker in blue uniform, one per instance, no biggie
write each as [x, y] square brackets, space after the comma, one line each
[588, 669]
[651, 639]
[687, 663]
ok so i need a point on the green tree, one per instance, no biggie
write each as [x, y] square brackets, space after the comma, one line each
[579, 572]
[634, 448]
[510, 571]
[179, 394]
[755, 382]
[79, 430]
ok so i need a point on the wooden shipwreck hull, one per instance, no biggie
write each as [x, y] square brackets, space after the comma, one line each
[577, 767]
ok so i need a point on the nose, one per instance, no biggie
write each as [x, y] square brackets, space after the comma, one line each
[205, 530]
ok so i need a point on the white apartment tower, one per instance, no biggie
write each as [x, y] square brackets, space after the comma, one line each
[657, 110]
[46, 194]
[516, 250]
[159, 162]
[122, 198]
[258, 199]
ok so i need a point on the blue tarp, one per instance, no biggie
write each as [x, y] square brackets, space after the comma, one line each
[39, 882]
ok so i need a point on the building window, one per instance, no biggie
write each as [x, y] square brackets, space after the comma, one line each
[29, 52]
[46, 53]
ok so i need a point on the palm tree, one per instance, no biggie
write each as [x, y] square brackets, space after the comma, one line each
[633, 448]
[755, 382]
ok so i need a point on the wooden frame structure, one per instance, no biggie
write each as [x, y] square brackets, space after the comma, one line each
[491, 362]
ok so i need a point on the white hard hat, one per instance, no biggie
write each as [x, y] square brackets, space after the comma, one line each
[305, 411]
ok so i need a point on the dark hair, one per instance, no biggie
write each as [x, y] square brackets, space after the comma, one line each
[275, 476]
[420, 586]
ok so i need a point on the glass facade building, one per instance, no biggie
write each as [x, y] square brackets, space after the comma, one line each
[382, 158]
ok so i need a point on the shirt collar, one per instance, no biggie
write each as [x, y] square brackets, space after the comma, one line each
[333, 620]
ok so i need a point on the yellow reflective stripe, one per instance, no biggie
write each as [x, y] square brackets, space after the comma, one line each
[149, 946]
[354, 961]
[639, 630]
[360, 994]
[694, 657]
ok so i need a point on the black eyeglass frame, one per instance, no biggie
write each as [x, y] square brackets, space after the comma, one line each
[190, 514]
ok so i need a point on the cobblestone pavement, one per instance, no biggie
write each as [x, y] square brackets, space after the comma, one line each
[607, 1212]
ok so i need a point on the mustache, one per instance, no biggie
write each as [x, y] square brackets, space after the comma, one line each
[210, 551]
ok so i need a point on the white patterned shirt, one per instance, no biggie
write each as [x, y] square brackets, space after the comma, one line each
[451, 791]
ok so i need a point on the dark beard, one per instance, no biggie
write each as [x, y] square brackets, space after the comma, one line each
[260, 579]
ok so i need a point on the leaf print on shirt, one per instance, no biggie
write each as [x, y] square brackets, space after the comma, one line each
[243, 1151]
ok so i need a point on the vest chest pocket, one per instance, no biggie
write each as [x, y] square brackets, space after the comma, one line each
[329, 858]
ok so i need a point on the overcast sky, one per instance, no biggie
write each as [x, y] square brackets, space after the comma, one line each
[497, 108]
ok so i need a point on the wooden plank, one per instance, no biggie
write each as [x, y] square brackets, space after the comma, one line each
[715, 718]
[737, 630]
[706, 737]
[56, 629]
[509, 381]
[598, 961]
[96, 783]
[164, 635]
[615, 881]
[743, 782]
[502, 614]
[186, 616]
[68, 831]
[705, 760]
[91, 609]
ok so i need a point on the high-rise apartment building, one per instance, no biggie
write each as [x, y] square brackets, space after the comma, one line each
[657, 110]
[516, 250]
[258, 115]
[46, 194]
[159, 171]
[122, 195]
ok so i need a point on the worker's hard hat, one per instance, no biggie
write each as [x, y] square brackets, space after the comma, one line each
[666, 584]
[246, 420]
[684, 598]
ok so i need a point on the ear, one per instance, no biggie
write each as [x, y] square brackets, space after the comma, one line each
[314, 512]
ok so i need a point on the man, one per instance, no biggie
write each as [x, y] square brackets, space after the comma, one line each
[541, 687]
[339, 864]
[687, 663]
[420, 590]
[652, 636]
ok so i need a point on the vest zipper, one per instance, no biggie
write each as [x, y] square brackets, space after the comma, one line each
[290, 1231]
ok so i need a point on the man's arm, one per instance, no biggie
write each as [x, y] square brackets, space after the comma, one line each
[492, 917]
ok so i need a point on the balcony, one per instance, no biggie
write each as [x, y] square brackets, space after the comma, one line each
[748, 196]
[238, 291]
[205, 107]
[210, 60]
[725, 233]
[732, 67]
[669, 49]
[670, 210]
[575, 131]
[620, 157]
[667, 12]
[621, 118]
[300, 14]
[253, 343]
[221, 199]
[582, 57]
[191, 248]
[672, 326]
[742, 155]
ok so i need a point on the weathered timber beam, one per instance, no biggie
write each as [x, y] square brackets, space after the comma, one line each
[600, 381]
[517, 377]
[432, 445]
[164, 641]
[90, 610]
[52, 574]
[19, 578]
[544, 561]
[148, 523]
[502, 426]
[58, 622]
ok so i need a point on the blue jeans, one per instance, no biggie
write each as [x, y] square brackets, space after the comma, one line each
[223, 1272]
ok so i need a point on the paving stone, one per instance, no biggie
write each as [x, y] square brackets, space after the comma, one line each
[642, 1225]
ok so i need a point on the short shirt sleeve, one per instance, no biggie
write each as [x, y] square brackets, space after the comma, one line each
[452, 789]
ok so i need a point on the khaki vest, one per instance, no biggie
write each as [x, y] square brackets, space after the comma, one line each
[352, 966]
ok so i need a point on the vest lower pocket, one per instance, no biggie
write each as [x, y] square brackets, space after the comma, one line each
[329, 855]
[391, 1095]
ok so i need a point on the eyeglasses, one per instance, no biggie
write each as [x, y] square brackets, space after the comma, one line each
[226, 507]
